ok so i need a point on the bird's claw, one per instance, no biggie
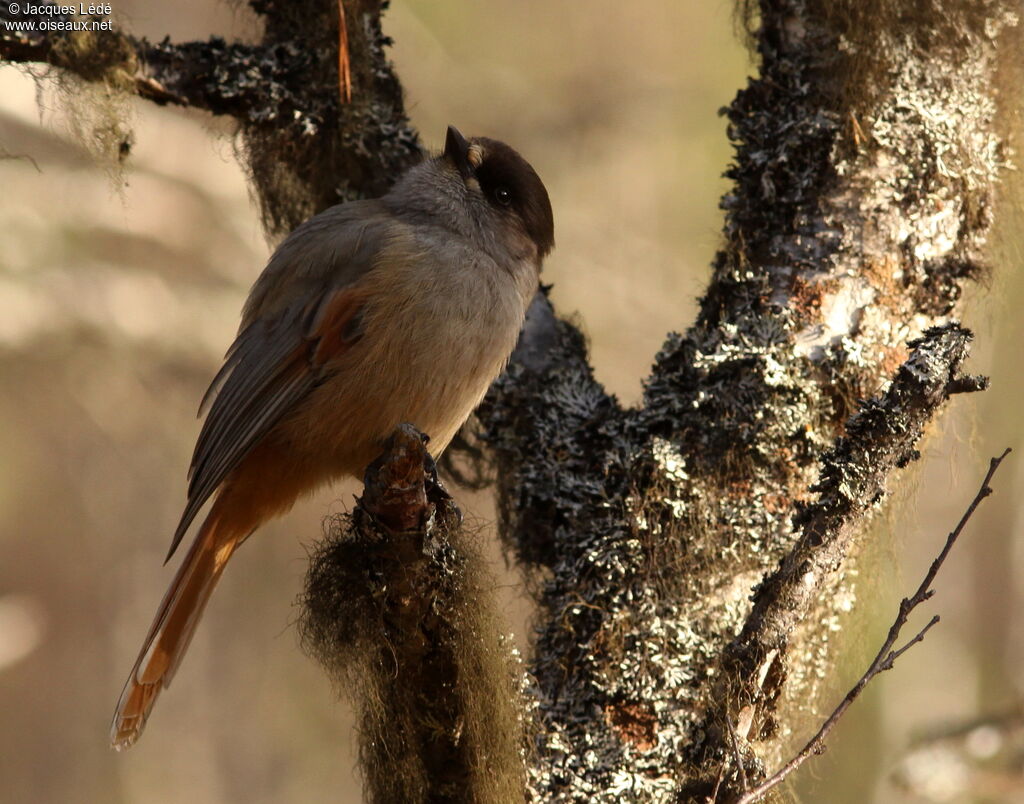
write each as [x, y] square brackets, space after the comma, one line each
[436, 492]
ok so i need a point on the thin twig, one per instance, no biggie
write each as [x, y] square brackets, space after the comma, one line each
[887, 655]
[718, 784]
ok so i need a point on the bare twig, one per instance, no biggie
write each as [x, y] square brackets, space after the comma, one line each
[887, 655]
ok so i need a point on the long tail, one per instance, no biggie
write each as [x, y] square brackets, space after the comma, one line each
[172, 629]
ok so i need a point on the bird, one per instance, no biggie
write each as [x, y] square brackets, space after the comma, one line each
[370, 314]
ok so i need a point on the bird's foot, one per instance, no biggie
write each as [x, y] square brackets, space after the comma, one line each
[436, 492]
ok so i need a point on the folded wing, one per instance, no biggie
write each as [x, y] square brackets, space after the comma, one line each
[303, 312]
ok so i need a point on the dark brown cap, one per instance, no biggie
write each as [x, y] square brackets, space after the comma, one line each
[507, 180]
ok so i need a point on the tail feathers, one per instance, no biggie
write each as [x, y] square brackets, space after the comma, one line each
[171, 631]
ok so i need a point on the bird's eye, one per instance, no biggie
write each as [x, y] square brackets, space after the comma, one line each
[503, 196]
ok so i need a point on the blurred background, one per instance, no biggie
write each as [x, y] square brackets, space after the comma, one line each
[116, 306]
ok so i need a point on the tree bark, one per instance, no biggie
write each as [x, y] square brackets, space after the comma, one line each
[866, 164]
[867, 160]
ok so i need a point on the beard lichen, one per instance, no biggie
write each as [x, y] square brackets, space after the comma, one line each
[408, 633]
[93, 86]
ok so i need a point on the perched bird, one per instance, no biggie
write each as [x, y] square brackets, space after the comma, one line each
[370, 314]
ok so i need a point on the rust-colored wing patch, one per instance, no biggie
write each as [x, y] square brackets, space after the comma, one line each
[338, 325]
[270, 369]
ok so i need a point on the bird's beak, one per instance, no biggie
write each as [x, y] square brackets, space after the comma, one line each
[456, 148]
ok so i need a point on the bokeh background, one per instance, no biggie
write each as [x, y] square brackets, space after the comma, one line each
[117, 302]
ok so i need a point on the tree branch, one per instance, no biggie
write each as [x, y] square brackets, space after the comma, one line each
[887, 654]
[880, 438]
[306, 148]
[397, 610]
[239, 80]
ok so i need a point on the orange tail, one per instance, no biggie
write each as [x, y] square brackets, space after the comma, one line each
[172, 629]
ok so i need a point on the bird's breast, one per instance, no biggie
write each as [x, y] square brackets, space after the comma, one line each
[438, 326]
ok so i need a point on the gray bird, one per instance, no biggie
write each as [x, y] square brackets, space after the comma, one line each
[370, 314]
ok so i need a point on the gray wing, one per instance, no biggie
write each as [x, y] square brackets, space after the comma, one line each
[339, 245]
[303, 311]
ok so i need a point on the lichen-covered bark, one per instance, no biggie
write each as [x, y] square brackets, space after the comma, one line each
[866, 162]
[327, 150]
[306, 147]
[879, 439]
